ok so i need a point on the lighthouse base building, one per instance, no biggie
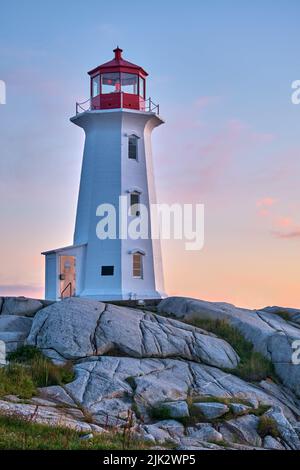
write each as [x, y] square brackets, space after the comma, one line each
[116, 179]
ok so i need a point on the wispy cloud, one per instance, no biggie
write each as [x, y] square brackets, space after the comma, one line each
[266, 202]
[284, 222]
[283, 227]
[287, 235]
[264, 205]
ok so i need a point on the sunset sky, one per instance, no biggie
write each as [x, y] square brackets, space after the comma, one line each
[221, 71]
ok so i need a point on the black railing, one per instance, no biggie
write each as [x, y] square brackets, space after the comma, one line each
[150, 106]
[84, 106]
[68, 286]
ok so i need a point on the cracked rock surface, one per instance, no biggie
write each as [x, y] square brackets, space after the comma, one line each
[77, 328]
[269, 333]
[157, 369]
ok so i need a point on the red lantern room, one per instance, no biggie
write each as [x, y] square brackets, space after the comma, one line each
[118, 84]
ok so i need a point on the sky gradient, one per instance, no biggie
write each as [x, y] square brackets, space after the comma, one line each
[221, 71]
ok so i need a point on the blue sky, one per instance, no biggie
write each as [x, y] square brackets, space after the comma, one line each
[222, 72]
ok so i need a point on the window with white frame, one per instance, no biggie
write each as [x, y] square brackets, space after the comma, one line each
[135, 204]
[133, 147]
[137, 265]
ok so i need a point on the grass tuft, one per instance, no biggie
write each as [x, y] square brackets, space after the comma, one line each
[267, 426]
[214, 399]
[160, 412]
[29, 369]
[253, 366]
[25, 354]
[283, 314]
[16, 380]
[19, 434]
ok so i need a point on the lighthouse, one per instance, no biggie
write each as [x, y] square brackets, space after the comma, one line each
[117, 121]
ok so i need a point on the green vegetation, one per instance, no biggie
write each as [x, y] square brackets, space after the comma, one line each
[253, 365]
[260, 410]
[25, 354]
[283, 314]
[29, 369]
[131, 381]
[212, 399]
[20, 434]
[196, 415]
[16, 380]
[160, 412]
[267, 426]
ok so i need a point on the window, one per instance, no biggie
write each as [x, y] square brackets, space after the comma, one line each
[115, 82]
[134, 204]
[110, 83]
[129, 83]
[107, 270]
[132, 147]
[142, 87]
[95, 86]
[137, 265]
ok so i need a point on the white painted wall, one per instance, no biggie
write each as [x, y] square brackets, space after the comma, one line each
[108, 173]
[139, 174]
[51, 277]
[52, 285]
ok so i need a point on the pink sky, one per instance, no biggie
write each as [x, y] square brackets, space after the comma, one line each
[251, 224]
[231, 138]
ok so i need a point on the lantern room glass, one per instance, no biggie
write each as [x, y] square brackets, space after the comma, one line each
[142, 87]
[96, 86]
[115, 82]
[110, 83]
[129, 83]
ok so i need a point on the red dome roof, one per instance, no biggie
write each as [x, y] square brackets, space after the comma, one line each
[118, 64]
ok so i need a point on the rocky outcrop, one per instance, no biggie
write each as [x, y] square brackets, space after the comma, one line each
[272, 444]
[67, 327]
[175, 409]
[77, 328]
[292, 314]
[20, 306]
[270, 334]
[211, 410]
[285, 429]
[48, 413]
[239, 408]
[2, 353]
[204, 432]
[14, 330]
[243, 429]
[176, 382]
[109, 387]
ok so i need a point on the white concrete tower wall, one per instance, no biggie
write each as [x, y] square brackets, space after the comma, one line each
[100, 183]
[108, 173]
[111, 268]
[137, 175]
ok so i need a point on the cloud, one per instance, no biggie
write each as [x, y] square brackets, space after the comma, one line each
[290, 229]
[265, 202]
[287, 235]
[264, 205]
[201, 160]
[284, 227]
[284, 222]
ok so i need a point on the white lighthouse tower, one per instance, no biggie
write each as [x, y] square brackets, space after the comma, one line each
[117, 162]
